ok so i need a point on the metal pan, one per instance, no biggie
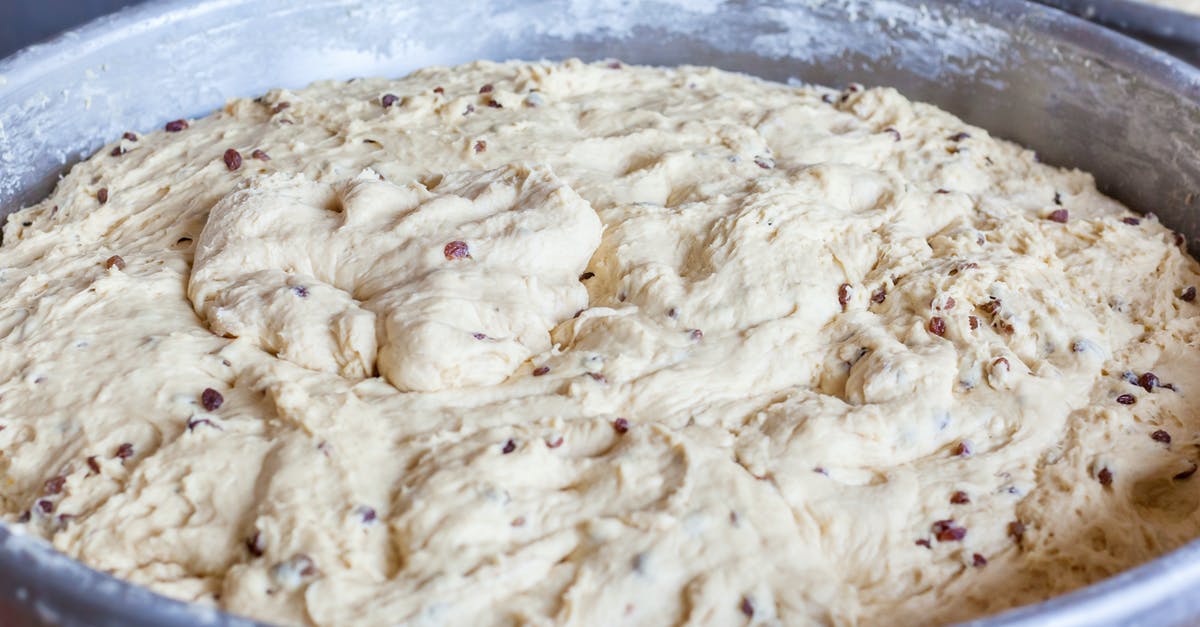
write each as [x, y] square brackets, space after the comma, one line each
[1174, 31]
[1081, 95]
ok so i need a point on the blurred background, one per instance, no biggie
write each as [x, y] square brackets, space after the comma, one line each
[24, 22]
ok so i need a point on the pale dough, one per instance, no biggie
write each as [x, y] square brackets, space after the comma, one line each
[592, 345]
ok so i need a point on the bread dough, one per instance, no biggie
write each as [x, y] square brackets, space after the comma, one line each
[590, 344]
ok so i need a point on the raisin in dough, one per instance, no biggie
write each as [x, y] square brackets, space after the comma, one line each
[589, 344]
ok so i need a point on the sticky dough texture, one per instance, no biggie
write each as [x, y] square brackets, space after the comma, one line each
[749, 274]
[330, 277]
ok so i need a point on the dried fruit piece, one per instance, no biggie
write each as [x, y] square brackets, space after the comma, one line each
[960, 498]
[937, 326]
[114, 262]
[456, 250]
[621, 425]
[211, 399]
[947, 531]
[1161, 436]
[480, 146]
[233, 159]
[93, 464]
[963, 449]
[124, 451]
[747, 607]
[978, 561]
[388, 100]
[54, 485]
[174, 126]
[260, 155]
[1126, 399]
[194, 422]
[1059, 215]
[541, 370]
[509, 447]
[1188, 294]
[102, 195]
[1105, 476]
[845, 291]
[1148, 381]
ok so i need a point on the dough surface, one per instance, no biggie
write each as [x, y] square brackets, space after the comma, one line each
[590, 344]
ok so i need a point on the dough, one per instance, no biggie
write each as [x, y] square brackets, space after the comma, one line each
[589, 344]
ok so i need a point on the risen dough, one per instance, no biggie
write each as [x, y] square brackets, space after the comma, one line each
[309, 271]
[832, 358]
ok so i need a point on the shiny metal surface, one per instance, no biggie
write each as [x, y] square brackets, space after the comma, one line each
[1079, 94]
[1174, 31]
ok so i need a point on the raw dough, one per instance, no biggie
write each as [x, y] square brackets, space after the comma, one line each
[589, 344]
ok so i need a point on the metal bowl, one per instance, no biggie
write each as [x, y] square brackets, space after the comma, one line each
[1171, 30]
[1079, 94]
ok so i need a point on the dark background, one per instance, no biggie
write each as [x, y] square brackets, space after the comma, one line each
[24, 22]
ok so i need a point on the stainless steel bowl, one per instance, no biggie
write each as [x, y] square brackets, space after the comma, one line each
[1171, 30]
[1079, 94]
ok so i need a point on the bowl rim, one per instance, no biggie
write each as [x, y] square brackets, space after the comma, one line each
[1135, 16]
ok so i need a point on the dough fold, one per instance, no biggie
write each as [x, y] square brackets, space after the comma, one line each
[448, 287]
